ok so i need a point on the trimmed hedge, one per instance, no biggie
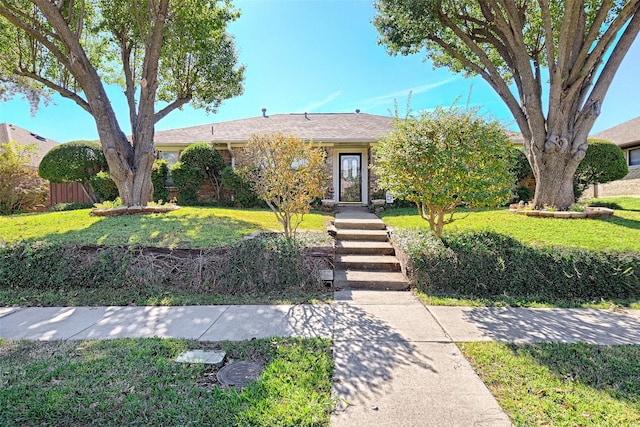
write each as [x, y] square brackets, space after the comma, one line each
[490, 265]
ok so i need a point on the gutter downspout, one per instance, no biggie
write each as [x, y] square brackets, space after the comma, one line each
[233, 156]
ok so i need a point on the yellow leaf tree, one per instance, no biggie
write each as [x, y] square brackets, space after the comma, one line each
[287, 173]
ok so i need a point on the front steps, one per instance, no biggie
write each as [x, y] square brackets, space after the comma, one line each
[364, 257]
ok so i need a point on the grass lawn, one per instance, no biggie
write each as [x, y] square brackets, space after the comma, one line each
[561, 384]
[620, 233]
[188, 227]
[135, 382]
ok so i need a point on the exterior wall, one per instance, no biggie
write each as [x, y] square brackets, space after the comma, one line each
[623, 187]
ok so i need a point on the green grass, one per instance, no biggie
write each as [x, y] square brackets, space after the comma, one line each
[561, 384]
[135, 382]
[188, 227]
[620, 233]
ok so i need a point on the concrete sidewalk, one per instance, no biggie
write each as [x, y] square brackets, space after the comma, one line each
[396, 362]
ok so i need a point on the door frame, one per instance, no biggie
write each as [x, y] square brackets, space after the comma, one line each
[364, 173]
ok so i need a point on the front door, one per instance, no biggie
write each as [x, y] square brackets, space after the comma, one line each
[350, 178]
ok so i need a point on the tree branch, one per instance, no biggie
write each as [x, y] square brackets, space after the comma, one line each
[169, 108]
[61, 90]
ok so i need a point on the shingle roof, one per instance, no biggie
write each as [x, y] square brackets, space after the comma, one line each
[625, 134]
[9, 132]
[320, 127]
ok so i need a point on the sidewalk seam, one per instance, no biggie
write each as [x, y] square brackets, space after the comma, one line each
[117, 308]
[214, 322]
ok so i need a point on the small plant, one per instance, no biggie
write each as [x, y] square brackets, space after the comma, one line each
[109, 204]
[576, 207]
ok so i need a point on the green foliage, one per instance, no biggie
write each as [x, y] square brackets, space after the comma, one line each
[206, 158]
[492, 266]
[75, 161]
[603, 162]
[520, 167]
[240, 188]
[159, 176]
[20, 187]
[267, 263]
[523, 193]
[445, 159]
[287, 173]
[188, 180]
[103, 186]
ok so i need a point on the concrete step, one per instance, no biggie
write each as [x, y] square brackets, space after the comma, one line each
[363, 235]
[353, 279]
[367, 262]
[354, 247]
[359, 224]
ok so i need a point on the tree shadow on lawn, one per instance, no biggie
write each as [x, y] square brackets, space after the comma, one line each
[623, 222]
[158, 230]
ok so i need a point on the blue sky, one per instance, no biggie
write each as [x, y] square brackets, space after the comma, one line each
[321, 56]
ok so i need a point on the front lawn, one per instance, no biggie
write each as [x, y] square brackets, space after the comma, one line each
[620, 233]
[136, 382]
[561, 384]
[187, 227]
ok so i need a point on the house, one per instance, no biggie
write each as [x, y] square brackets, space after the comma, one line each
[348, 139]
[9, 132]
[627, 136]
[58, 193]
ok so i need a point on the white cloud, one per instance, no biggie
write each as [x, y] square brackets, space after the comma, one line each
[390, 97]
[315, 105]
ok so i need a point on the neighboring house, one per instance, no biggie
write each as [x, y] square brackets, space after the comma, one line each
[348, 139]
[58, 193]
[627, 136]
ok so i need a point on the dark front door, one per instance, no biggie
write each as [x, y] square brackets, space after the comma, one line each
[350, 178]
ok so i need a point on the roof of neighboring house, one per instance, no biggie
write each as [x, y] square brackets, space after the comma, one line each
[624, 135]
[319, 127]
[9, 132]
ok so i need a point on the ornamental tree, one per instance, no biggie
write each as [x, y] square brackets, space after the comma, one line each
[163, 53]
[75, 161]
[566, 50]
[445, 159]
[604, 162]
[287, 173]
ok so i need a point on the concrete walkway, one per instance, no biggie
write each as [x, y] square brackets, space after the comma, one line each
[396, 362]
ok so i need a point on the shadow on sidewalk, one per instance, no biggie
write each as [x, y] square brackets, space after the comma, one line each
[555, 325]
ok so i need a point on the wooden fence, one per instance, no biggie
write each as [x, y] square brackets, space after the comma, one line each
[66, 193]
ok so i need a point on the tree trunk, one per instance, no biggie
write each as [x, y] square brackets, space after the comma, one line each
[554, 164]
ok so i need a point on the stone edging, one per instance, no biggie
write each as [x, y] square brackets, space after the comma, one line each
[134, 210]
[589, 212]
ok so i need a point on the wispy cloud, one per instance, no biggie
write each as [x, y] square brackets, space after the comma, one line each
[390, 97]
[315, 105]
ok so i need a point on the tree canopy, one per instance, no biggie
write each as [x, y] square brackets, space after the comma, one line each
[163, 53]
[568, 50]
[445, 159]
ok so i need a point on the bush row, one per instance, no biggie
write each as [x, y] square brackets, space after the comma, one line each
[490, 265]
[267, 263]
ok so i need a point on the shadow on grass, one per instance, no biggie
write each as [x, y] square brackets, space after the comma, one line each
[159, 230]
[622, 222]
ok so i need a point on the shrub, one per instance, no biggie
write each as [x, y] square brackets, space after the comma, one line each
[21, 188]
[188, 180]
[206, 158]
[603, 162]
[240, 188]
[75, 161]
[104, 187]
[494, 266]
[159, 176]
[523, 193]
[266, 263]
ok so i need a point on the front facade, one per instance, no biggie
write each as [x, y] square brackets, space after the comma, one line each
[627, 136]
[347, 138]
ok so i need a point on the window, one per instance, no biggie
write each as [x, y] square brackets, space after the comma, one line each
[634, 157]
[171, 157]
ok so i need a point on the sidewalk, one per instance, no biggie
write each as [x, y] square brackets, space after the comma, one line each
[396, 362]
